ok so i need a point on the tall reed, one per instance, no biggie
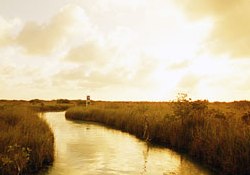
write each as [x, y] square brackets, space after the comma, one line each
[26, 141]
[218, 139]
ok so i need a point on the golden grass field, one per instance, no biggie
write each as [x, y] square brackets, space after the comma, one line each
[26, 140]
[215, 134]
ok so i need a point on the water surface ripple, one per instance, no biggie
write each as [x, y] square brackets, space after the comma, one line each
[88, 148]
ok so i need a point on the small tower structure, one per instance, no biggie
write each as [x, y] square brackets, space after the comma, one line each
[88, 100]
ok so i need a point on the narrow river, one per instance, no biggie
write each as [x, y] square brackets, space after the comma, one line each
[89, 148]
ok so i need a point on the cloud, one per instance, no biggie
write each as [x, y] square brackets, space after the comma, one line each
[42, 39]
[38, 39]
[205, 8]
[5, 40]
[22, 73]
[6, 70]
[84, 78]
[179, 65]
[188, 83]
[96, 76]
[8, 30]
[89, 52]
[231, 28]
[81, 77]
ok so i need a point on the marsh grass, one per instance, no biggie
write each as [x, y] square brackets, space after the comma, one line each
[41, 105]
[26, 141]
[213, 134]
[50, 106]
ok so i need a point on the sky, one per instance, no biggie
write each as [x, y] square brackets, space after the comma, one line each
[126, 50]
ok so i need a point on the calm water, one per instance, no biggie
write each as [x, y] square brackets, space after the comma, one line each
[89, 148]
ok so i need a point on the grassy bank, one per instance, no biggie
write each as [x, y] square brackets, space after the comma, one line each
[216, 134]
[26, 141]
[42, 105]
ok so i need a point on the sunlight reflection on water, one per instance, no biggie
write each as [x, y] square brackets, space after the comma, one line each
[88, 148]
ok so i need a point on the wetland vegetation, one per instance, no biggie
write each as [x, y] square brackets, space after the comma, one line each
[216, 134]
[26, 140]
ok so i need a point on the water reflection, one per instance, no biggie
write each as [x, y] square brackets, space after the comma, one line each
[88, 148]
[145, 157]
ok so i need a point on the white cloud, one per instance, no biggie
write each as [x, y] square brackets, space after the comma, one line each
[90, 52]
[43, 39]
[139, 50]
[69, 27]
[8, 30]
[230, 32]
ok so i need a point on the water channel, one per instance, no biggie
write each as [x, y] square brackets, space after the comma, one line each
[89, 148]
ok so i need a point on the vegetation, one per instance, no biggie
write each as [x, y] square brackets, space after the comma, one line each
[42, 105]
[50, 106]
[217, 134]
[27, 142]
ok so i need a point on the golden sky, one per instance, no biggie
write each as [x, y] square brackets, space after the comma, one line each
[125, 50]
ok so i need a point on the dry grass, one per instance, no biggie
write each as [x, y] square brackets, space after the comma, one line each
[212, 133]
[26, 141]
[42, 105]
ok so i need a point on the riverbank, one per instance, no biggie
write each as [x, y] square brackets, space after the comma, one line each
[92, 148]
[41, 105]
[26, 141]
[212, 133]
